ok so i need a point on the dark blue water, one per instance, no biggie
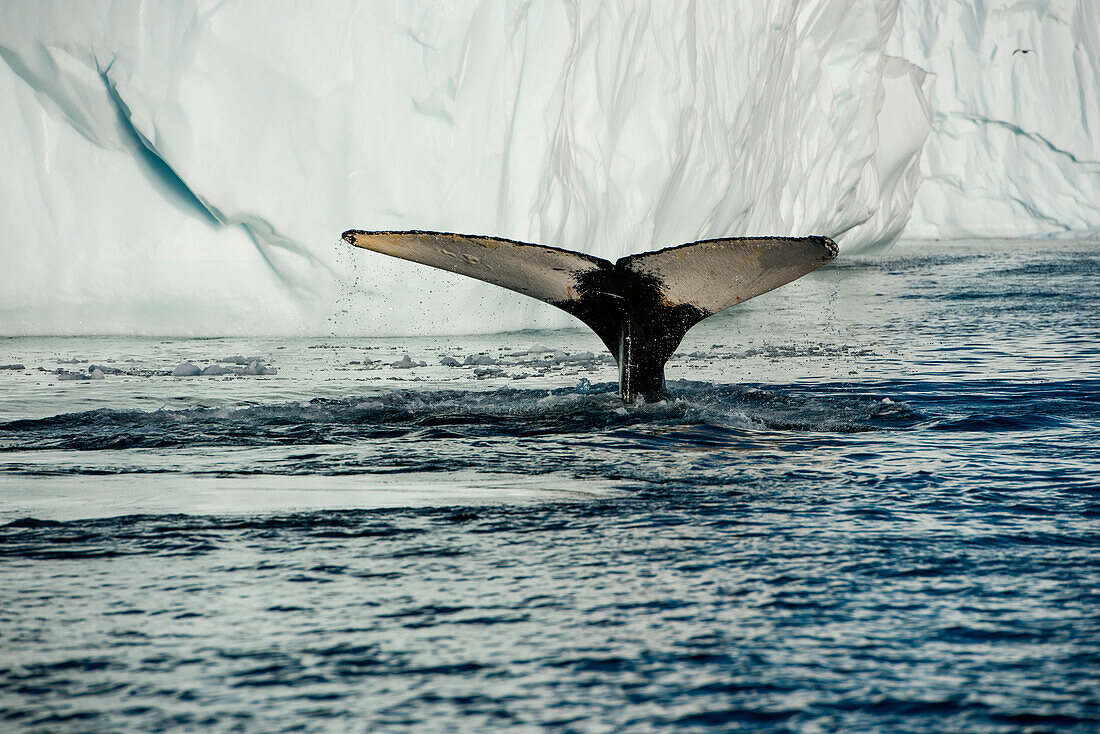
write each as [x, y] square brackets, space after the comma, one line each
[872, 505]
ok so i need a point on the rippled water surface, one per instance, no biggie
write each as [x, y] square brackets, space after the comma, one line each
[871, 503]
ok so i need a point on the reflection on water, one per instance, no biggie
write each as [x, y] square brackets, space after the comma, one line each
[871, 502]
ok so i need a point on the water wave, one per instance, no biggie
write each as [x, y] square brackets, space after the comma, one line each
[709, 409]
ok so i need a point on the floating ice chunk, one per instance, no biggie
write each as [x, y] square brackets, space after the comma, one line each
[242, 361]
[483, 359]
[255, 367]
[406, 363]
[482, 374]
[104, 369]
[66, 375]
[450, 362]
[15, 366]
[186, 369]
[214, 370]
[96, 374]
[559, 357]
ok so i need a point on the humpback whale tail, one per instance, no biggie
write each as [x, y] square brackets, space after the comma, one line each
[641, 305]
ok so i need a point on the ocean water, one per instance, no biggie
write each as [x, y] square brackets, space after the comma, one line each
[871, 503]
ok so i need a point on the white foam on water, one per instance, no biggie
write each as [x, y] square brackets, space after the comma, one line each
[65, 498]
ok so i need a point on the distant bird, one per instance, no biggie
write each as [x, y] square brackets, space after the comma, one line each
[1021, 51]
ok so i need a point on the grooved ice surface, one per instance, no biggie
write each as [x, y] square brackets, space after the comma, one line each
[187, 168]
[1015, 143]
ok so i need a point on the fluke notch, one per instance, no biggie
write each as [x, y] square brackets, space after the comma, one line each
[640, 306]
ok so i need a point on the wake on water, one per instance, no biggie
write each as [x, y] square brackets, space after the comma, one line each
[503, 413]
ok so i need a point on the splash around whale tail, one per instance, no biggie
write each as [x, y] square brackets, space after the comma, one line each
[640, 306]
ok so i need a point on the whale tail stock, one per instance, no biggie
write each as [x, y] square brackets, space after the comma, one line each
[640, 306]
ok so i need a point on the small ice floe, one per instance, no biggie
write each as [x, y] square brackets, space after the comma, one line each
[406, 363]
[15, 366]
[104, 369]
[559, 357]
[537, 349]
[481, 359]
[487, 372]
[74, 360]
[95, 374]
[256, 367]
[186, 369]
[242, 361]
[450, 362]
[66, 375]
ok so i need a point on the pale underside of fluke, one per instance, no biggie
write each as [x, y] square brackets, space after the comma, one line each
[641, 305]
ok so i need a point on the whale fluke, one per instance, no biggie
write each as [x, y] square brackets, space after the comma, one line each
[641, 305]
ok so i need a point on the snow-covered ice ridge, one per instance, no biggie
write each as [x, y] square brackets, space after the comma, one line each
[186, 168]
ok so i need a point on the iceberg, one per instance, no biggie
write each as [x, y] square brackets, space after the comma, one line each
[1015, 143]
[187, 168]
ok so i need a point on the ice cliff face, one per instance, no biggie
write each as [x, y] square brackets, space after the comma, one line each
[188, 167]
[1015, 145]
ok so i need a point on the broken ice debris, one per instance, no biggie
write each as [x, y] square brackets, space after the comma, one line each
[480, 359]
[186, 369]
[66, 375]
[255, 367]
[406, 363]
